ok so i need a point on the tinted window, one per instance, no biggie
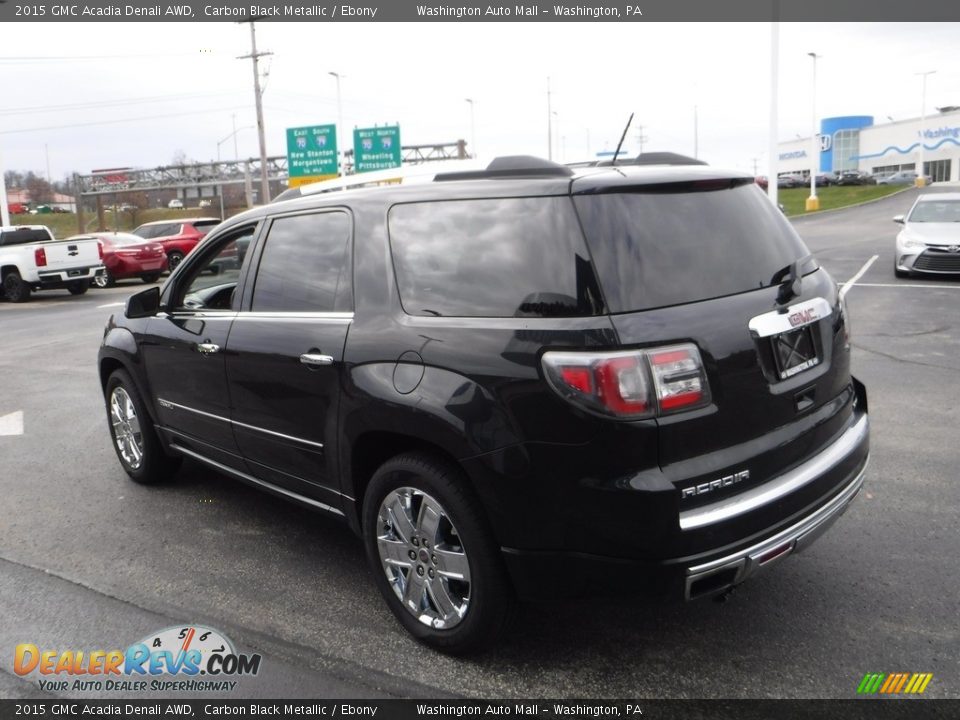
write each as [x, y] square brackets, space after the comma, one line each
[680, 243]
[156, 231]
[508, 257]
[24, 235]
[304, 264]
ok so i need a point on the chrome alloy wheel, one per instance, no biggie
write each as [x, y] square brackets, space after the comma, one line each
[422, 556]
[126, 428]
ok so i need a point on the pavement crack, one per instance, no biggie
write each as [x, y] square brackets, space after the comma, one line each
[904, 360]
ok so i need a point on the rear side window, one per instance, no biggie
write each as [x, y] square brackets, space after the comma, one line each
[502, 257]
[304, 264]
[681, 243]
[24, 235]
[205, 226]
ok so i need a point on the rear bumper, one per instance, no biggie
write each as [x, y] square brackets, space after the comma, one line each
[53, 279]
[736, 538]
[725, 572]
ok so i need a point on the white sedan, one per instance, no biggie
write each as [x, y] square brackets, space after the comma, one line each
[930, 239]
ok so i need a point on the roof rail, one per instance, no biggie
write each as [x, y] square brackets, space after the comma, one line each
[512, 166]
[649, 158]
[406, 175]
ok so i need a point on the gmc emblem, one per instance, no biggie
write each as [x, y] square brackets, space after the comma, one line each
[803, 317]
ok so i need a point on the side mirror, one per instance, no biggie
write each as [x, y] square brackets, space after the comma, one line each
[898, 219]
[144, 304]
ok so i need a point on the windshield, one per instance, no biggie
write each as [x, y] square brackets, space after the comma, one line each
[656, 246]
[936, 211]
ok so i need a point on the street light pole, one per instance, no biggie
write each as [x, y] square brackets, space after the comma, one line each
[813, 202]
[773, 131]
[921, 175]
[473, 129]
[549, 124]
[341, 141]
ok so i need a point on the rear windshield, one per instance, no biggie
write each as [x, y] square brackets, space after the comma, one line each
[24, 235]
[663, 245]
[501, 257]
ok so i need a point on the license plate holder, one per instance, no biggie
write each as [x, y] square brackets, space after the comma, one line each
[795, 351]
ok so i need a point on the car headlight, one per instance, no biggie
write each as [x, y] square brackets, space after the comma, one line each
[908, 241]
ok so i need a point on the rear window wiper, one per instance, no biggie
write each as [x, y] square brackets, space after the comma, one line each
[792, 280]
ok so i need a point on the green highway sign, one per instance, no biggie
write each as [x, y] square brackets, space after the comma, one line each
[376, 148]
[311, 154]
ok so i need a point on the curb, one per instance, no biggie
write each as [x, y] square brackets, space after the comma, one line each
[818, 213]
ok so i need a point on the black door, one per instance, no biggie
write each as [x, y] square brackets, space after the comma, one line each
[184, 352]
[285, 354]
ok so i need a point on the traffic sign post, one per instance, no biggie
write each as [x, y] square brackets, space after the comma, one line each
[311, 154]
[376, 148]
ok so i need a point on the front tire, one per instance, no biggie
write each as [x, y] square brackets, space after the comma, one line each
[134, 436]
[433, 558]
[14, 288]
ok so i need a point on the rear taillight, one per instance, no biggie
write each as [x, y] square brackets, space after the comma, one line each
[630, 385]
[40, 257]
[100, 249]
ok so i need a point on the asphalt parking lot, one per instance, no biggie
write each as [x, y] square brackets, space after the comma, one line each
[88, 559]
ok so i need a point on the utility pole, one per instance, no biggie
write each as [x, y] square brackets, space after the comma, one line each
[641, 138]
[549, 123]
[258, 95]
[754, 165]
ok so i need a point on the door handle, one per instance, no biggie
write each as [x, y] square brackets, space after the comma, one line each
[207, 348]
[316, 359]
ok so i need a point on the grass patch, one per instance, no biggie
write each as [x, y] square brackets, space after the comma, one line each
[64, 225]
[794, 199]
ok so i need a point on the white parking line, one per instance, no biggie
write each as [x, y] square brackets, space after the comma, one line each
[908, 285]
[12, 424]
[853, 281]
[111, 305]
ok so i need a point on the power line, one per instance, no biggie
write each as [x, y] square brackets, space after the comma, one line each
[119, 121]
[111, 103]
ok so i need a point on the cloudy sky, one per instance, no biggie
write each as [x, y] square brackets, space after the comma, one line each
[85, 95]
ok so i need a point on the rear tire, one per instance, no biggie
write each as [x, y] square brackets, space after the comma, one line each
[174, 257]
[14, 288]
[134, 436]
[105, 280]
[433, 558]
[78, 287]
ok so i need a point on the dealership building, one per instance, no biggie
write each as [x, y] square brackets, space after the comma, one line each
[857, 142]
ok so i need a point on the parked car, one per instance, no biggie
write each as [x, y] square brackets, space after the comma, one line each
[514, 380]
[762, 181]
[126, 255]
[31, 259]
[854, 177]
[791, 180]
[904, 177]
[930, 239]
[825, 179]
[178, 237]
[175, 204]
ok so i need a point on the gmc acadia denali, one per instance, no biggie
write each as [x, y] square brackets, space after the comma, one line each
[512, 382]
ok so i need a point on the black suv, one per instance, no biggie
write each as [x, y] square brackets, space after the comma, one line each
[512, 382]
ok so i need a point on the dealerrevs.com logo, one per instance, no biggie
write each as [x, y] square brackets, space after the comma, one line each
[191, 658]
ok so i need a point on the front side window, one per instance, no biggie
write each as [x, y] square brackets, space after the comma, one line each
[211, 282]
[305, 264]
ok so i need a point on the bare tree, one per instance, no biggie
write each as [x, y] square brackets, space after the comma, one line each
[38, 187]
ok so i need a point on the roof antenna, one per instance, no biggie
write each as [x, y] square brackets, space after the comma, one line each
[620, 144]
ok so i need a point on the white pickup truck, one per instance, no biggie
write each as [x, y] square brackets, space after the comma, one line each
[30, 259]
